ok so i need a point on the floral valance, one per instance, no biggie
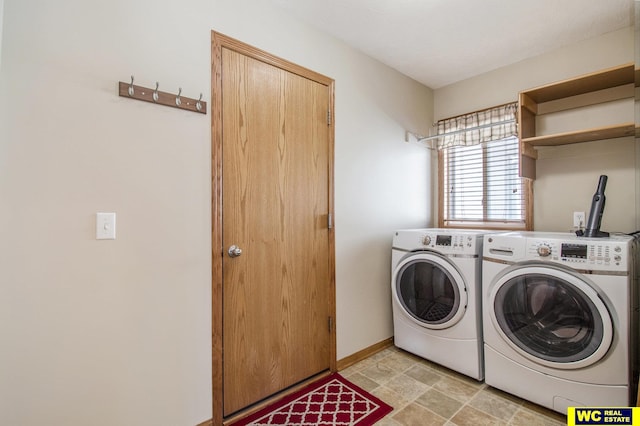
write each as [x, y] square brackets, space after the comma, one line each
[478, 127]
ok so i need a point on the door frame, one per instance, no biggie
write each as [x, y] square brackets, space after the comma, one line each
[218, 42]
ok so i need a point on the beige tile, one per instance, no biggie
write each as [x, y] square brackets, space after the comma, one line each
[469, 416]
[379, 373]
[524, 417]
[494, 405]
[352, 369]
[429, 364]
[439, 403]
[456, 389]
[373, 359]
[406, 386]
[363, 381]
[365, 363]
[382, 354]
[398, 361]
[387, 421]
[410, 356]
[391, 397]
[414, 415]
[544, 411]
[423, 374]
[392, 374]
[504, 395]
[458, 376]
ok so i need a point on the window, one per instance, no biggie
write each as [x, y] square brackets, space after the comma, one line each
[480, 186]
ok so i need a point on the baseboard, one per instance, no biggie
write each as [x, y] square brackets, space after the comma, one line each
[206, 423]
[365, 353]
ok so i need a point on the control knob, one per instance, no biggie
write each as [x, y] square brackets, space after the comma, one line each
[426, 240]
[544, 250]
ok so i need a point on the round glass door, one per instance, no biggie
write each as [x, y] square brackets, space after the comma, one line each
[430, 290]
[551, 317]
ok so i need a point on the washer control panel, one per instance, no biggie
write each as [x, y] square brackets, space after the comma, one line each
[576, 253]
[450, 242]
[581, 253]
[445, 241]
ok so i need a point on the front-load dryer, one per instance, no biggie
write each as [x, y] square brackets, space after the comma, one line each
[557, 312]
[436, 297]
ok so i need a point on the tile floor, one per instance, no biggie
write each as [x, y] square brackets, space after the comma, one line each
[423, 393]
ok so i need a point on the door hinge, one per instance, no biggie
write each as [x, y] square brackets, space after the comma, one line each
[328, 117]
[329, 221]
[330, 324]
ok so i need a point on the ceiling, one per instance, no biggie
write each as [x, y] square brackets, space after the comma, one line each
[440, 42]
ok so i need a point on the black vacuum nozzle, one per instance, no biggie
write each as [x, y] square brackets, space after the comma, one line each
[597, 209]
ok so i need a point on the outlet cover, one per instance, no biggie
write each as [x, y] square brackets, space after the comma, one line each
[105, 226]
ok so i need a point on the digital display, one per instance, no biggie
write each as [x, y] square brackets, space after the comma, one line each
[443, 240]
[576, 251]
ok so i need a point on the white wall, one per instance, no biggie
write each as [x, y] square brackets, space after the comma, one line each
[119, 332]
[1, 19]
[567, 176]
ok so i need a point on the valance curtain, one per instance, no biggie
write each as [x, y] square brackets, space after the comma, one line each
[478, 127]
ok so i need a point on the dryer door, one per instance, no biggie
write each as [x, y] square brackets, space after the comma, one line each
[430, 290]
[551, 316]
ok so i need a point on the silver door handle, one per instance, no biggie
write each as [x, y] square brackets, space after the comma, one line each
[234, 251]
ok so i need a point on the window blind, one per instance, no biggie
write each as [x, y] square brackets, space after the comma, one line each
[481, 185]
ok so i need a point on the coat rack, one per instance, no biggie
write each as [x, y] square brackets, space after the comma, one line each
[129, 90]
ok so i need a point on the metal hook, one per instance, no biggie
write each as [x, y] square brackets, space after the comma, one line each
[178, 100]
[131, 87]
[198, 104]
[155, 93]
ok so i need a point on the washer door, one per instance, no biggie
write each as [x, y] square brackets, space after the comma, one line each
[430, 289]
[551, 316]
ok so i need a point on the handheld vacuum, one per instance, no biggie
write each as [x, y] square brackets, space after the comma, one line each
[595, 214]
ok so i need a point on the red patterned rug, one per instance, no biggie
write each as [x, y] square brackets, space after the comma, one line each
[332, 401]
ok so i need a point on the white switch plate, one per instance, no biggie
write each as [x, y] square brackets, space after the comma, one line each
[105, 226]
[578, 220]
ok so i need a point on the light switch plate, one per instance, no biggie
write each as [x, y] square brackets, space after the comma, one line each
[105, 226]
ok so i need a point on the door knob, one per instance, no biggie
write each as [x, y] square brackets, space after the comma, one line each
[234, 251]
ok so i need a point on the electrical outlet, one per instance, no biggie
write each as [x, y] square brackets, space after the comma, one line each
[578, 220]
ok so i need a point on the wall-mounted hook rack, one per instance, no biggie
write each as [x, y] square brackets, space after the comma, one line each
[129, 90]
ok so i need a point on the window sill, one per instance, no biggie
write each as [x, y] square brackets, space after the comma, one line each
[501, 226]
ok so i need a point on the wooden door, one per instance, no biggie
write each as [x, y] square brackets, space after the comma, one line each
[277, 295]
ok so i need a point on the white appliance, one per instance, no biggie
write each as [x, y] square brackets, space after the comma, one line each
[436, 297]
[557, 316]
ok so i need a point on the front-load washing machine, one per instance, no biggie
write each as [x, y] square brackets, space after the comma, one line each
[558, 318]
[436, 297]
